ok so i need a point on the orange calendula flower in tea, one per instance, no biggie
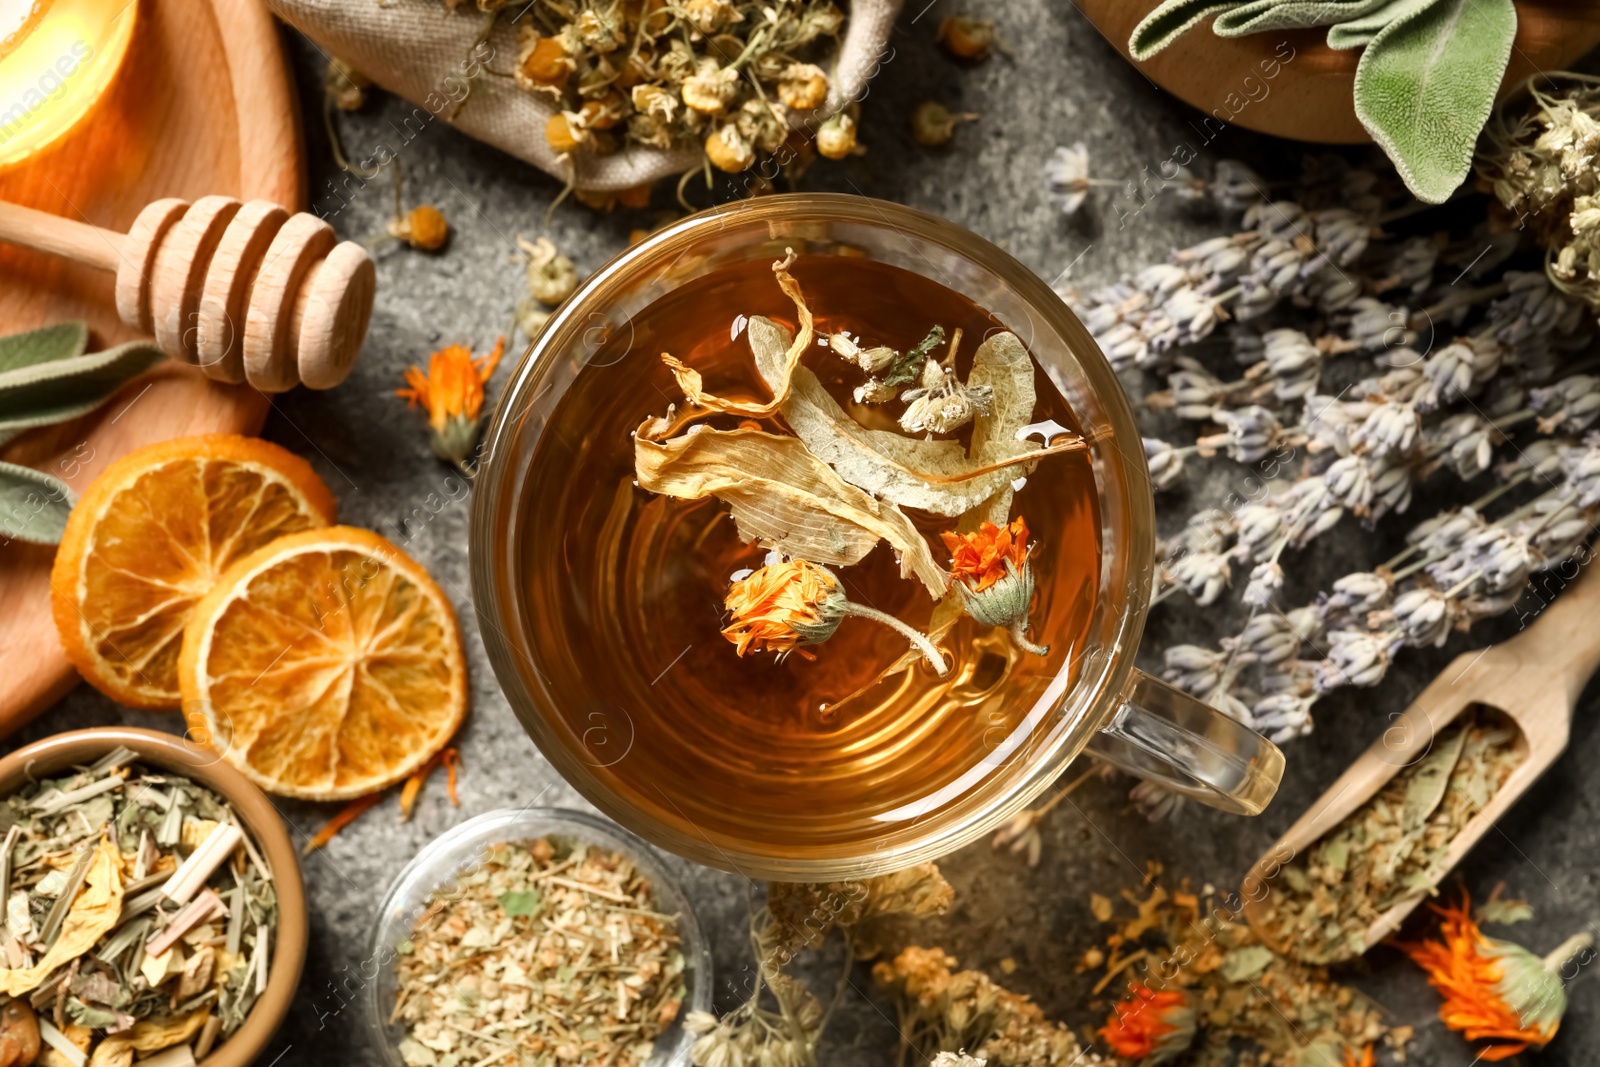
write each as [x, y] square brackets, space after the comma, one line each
[1494, 990]
[979, 559]
[452, 394]
[1150, 1026]
[789, 603]
[990, 570]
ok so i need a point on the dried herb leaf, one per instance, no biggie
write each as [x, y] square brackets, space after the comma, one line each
[1426, 788]
[783, 497]
[690, 382]
[908, 368]
[91, 915]
[936, 476]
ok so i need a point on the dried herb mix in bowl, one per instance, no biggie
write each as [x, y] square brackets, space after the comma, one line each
[544, 951]
[138, 915]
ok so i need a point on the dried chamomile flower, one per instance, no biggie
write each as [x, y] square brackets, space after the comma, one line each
[942, 403]
[837, 137]
[1495, 991]
[1067, 173]
[956, 1059]
[991, 570]
[711, 89]
[966, 37]
[551, 276]
[423, 227]
[803, 86]
[451, 392]
[543, 62]
[345, 85]
[1153, 1027]
[933, 124]
[793, 603]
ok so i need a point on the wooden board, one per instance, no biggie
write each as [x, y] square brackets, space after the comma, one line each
[202, 105]
[1309, 97]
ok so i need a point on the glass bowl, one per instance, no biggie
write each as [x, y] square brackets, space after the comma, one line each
[458, 848]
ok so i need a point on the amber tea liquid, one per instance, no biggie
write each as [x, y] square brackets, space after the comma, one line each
[624, 592]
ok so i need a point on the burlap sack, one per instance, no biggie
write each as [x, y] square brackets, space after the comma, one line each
[418, 50]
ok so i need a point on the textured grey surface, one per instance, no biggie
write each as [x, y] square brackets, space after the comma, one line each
[1062, 83]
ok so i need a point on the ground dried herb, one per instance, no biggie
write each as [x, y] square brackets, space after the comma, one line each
[548, 951]
[138, 913]
[1323, 901]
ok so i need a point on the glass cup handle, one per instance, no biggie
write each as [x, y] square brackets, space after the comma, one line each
[1169, 737]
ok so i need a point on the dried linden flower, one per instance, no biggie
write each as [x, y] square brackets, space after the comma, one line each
[551, 276]
[423, 227]
[941, 403]
[837, 137]
[933, 124]
[872, 360]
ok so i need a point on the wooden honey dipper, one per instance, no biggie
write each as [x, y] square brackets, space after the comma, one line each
[247, 292]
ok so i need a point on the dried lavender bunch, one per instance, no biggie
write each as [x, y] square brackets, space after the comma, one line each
[1366, 370]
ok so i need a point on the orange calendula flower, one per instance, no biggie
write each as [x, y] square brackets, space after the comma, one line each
[991, 571]
[1494, 990]
[452, 394]
[1149, 1025]
[979, 559]
[789, 603]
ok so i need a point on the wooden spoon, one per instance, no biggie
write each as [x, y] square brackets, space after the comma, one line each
[1534, 680]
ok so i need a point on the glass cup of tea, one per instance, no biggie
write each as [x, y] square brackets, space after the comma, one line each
[717, 543]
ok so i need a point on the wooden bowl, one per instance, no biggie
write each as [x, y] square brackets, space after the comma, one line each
[1309, 95]
[261, 821]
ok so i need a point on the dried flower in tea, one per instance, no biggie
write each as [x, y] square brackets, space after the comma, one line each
[544, 951]
[790, 603]
[137, 914]
[1323, 902]
[990, 569]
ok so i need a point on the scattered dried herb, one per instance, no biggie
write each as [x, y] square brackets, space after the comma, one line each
[451, 392]
[1239, 990]
[942, 1010]
[1324, 901]
[138, 913]
[547, 951]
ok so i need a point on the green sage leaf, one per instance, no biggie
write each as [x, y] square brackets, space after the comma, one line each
[33, 505]
[45, 393]
[43, 345]
[1425, 86]
[1359, 32]
[1170, 21]
[1261, 15]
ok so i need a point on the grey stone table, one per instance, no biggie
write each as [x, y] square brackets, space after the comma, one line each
[1062, 83]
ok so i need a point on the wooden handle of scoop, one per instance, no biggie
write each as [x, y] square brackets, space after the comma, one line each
[247, 292]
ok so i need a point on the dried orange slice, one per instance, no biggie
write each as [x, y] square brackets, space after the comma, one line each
[149, 538]
[325, 665]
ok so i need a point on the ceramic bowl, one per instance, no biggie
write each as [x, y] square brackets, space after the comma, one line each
[168, 752]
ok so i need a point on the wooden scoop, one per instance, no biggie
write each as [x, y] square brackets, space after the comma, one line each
[1534, 680]
[247, 292]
